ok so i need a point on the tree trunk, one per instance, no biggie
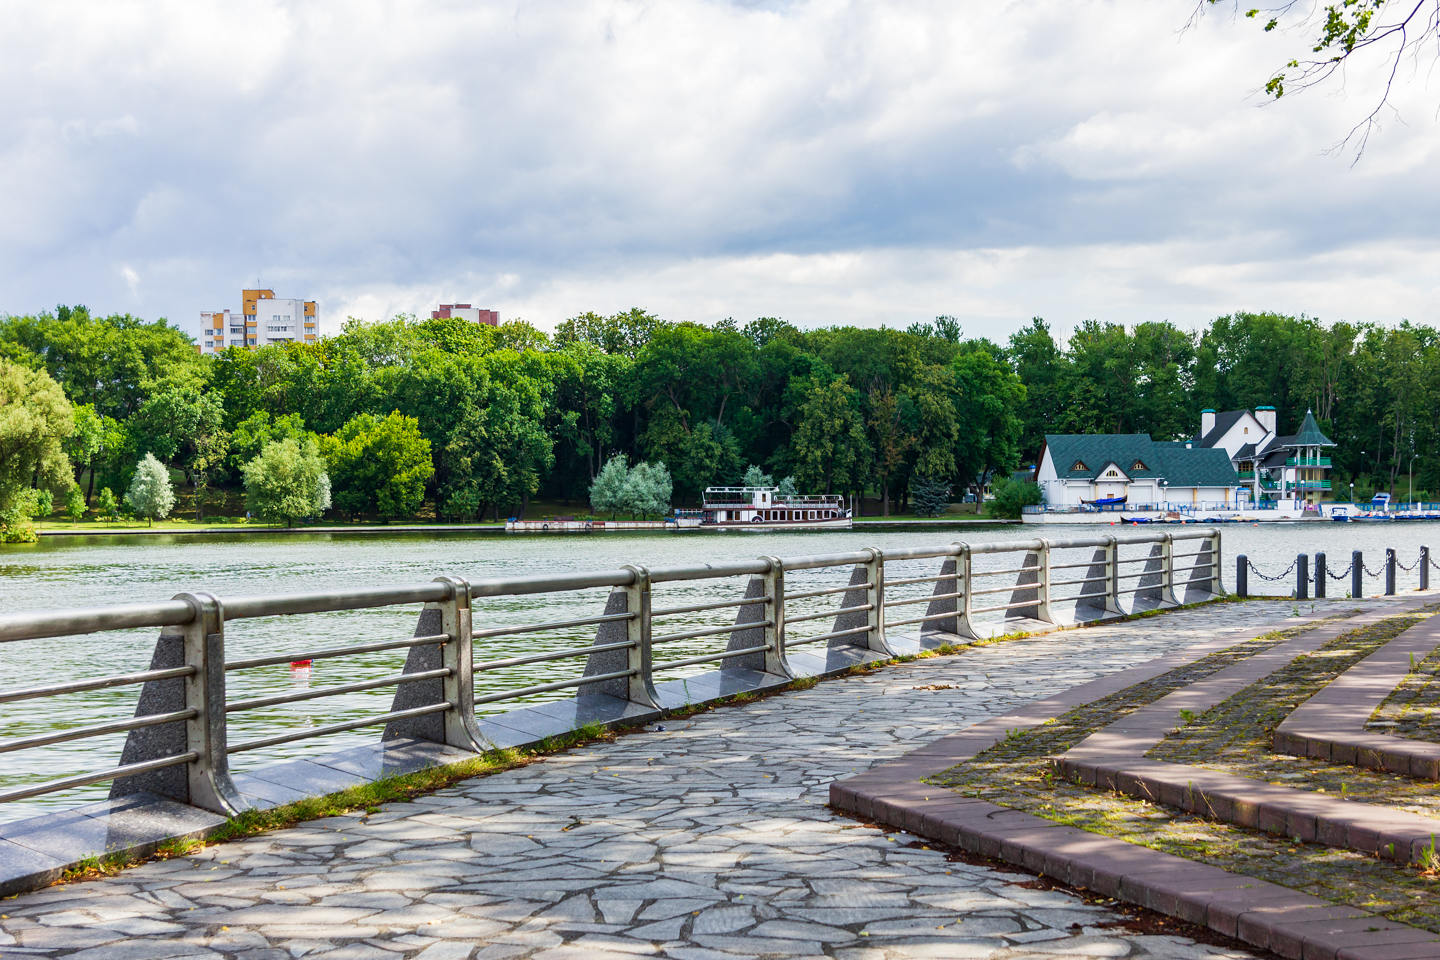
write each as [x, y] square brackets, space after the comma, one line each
[91, 490]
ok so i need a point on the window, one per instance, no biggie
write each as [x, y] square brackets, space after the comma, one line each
[1139, 465]
[1079, 465]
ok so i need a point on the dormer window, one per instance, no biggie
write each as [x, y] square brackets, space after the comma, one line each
[1139, 465]
[1079, 465]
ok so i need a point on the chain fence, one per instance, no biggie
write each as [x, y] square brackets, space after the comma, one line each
[1342, 576]
[1264, 576]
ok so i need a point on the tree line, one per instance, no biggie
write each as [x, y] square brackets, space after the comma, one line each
[404, 417]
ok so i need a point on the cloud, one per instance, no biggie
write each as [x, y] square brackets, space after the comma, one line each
[824, 160]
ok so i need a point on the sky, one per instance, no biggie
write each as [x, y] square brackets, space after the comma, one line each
[824, 161]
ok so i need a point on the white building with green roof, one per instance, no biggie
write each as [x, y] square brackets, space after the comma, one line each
[1133, 471]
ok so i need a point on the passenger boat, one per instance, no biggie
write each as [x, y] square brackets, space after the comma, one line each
[765, 508]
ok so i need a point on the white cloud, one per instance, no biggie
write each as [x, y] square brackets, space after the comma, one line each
[825, 160]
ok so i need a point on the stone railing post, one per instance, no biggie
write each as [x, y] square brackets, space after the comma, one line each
[1167, 560]
[1042, 577]
[458, 656]
[1242, 576]
[775, 660]
[1389, 571]
[1424, 568]
[964, 580]
[1112, 577]
[205, 781]
[1217, 585]
[1320, 574]
[640, 686]
[1302, 577]
[1357, 574]
[875, 597]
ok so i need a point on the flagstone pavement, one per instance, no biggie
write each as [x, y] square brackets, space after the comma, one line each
[706, 838]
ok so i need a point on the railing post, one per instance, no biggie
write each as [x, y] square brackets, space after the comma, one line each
[209, 775]
[1112, 577]
[1389, 571]
[1242, 575]
[1217, 585]
[875, 598]
[775, 660]
[1302, 577]
[1357, 574]
[1167, 560]
[457, 656]
[1320, 574]
[640, 685]
[1042, 592]
[1424, 568]
[964, 579]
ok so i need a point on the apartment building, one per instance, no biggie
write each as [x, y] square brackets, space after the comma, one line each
[464, 311]
[263, 319]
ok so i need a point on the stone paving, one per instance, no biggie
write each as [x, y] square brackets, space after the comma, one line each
[699, 839]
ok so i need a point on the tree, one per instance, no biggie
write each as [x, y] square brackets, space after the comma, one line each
[607, 492]
[35, 421]
[287, 481]
[830, 447]
[108, 506]
[150, 494]
[787, 488]
[379, 466]
[1013, 496]
[647, 490]
[75, 504]
[755, 477]
[1344, 30]
[928, 496]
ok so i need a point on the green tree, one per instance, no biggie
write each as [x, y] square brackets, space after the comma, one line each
[75, 504]
[1037, 361]
[378, 466]
[755, 477]
[989, 401]
[646, 491]
[287, 481]
[607, 492]
[830, 446]
[1013, 496]
[150, 494]
[35, 422]
[108, 506]
[929, 496]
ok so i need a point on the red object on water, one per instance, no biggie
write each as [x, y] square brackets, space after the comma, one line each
[299, 663]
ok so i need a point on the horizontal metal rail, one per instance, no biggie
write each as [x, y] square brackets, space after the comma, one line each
[702, 607]
[98, 730]
[710, 657]
[1005, 589]
[101, 683]
[828, 591]
[557, 685]
[999, 573]
[1144, 559]
[1144, 586]
[244, 608]
[906, 581]
[1071, 583]
[331, 652]
[826, 614]
[709, 631]
[925, 619]
[1157, 572]
[34, 626]
[550, 655]
[85, 779]
[710, 571]
[828, 560]
[1076, 566]
[550, 625]
[833, 634]
[1007, 606]
[339, 727]
[280, 698]
[926, 599]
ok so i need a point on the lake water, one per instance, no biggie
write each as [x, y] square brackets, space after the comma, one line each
[101, 570]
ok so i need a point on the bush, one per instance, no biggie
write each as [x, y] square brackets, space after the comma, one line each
[150, 494]
[1013, 496]
[75, 504]
[287, 481]
[107, 506]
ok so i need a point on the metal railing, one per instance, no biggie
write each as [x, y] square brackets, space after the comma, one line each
[178, 743]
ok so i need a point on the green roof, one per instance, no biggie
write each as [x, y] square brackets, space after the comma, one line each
[1082, 456]
[1309, 434]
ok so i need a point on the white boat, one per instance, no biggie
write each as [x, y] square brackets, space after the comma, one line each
[765, 508]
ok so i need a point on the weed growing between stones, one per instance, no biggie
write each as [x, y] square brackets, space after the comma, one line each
[1413, 707]
[1016, 773]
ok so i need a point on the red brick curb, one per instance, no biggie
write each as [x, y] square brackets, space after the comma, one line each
[1256, 912]
[1331, 724]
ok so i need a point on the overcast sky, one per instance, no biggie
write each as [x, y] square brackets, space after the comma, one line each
[825, 162]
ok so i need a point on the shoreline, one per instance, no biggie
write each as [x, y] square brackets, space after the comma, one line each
[458, 528]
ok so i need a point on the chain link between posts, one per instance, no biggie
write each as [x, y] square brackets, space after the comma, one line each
[1409, 568]
[1256, 570]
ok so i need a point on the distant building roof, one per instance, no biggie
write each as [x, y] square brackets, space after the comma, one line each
[1223, 422]
[1309, 434]
[1079, 456]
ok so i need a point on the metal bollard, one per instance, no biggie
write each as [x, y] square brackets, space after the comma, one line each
[1357, 574]
[1389, 571]
[1242, 576]
[1302, 577]
[1320, 575]
[1424, 568]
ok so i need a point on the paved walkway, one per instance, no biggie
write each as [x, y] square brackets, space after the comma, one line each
[701, 839]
